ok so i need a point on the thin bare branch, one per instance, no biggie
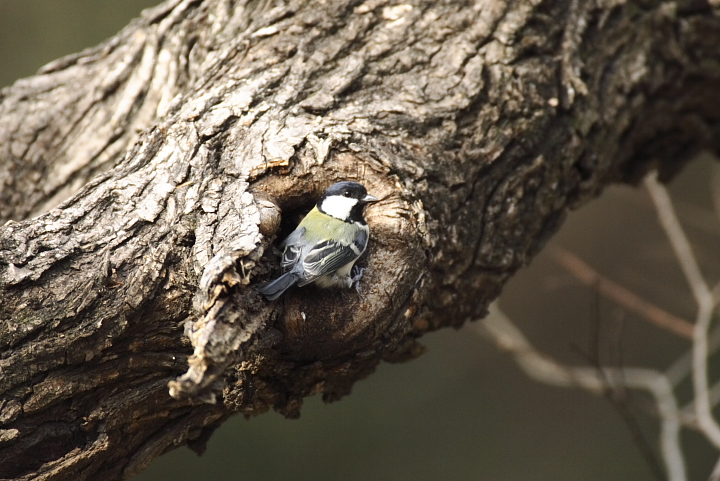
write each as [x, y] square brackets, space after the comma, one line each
[547, 370]
[682, 366]
[678, 239]
[622, 296]
[715, 475]
[704, 298]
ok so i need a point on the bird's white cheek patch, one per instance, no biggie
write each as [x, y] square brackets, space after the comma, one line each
[338, 206]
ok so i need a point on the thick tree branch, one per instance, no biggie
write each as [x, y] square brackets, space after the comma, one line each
[183, 147]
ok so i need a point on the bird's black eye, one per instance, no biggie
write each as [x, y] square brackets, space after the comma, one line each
[347, 193]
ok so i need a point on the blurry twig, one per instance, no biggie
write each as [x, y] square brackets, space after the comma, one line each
[682, 366]
[715, 475]
[545, 369]
[704, 298]
[627, 299]
[611, 380]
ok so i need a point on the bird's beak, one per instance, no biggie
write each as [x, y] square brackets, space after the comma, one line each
[369, 198]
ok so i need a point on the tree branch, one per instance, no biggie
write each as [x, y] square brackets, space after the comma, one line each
[162, 165]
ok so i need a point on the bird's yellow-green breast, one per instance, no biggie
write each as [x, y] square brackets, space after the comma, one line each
[320, 227]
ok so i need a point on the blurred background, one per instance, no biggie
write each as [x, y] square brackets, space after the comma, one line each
[463, 410]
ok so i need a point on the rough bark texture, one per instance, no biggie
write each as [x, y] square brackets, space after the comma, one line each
[175, 146]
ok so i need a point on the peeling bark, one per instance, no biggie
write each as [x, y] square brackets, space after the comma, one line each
[182, 148]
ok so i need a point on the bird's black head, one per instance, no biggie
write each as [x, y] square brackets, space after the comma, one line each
[345, 201]
[347, 189]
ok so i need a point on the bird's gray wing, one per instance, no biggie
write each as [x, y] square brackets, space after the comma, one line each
[329, 256]
[293, 249]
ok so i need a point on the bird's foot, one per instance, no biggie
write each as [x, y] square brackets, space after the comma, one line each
[357, 275]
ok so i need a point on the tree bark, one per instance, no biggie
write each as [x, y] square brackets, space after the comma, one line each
[146, 179]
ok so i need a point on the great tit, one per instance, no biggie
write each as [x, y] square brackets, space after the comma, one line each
[327, 242]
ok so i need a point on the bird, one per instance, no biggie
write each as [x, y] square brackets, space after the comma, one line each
[327, 242]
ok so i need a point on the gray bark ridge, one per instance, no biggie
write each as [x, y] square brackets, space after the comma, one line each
[182, 148]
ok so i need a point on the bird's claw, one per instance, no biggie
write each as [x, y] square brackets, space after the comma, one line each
[357, 275]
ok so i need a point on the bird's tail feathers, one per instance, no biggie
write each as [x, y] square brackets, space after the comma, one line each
[275, 289]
